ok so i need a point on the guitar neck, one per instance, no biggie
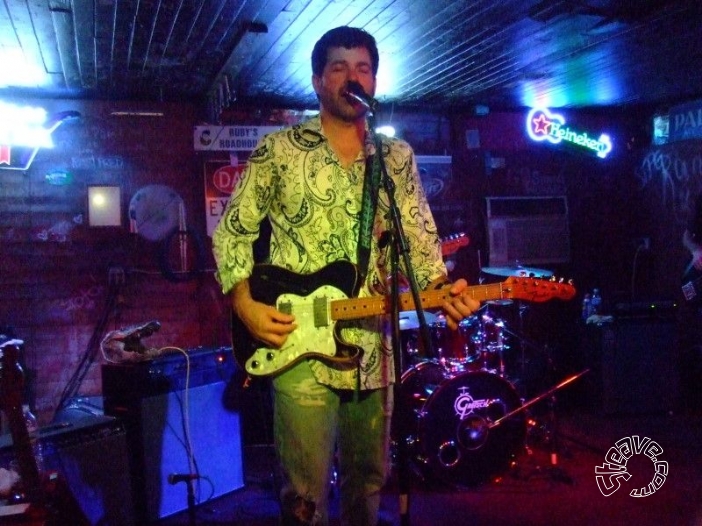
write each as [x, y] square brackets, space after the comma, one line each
[354, 308]
[11, 392]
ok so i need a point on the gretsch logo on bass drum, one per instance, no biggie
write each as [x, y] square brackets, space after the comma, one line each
[464, 404]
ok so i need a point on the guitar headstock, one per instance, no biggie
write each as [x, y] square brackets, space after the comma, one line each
[450, 244]
[538, 289]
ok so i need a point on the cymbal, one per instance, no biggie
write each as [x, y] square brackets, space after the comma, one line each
[410, 320]
[518, 271]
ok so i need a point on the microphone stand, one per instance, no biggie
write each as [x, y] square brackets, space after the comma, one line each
[399, 248]
[188, 479]
[191, 503]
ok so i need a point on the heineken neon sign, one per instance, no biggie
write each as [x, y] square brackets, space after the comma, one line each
[543, 125]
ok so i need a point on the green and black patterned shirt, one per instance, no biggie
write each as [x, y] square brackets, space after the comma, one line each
[313, 204]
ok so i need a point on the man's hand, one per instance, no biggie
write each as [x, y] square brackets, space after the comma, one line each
[264, 322]
[458, 306]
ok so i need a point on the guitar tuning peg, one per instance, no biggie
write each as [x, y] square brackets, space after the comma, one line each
[561, 280]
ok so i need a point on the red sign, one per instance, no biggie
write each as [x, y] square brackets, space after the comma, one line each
[5, 154]
[225, 177]
[220, 179]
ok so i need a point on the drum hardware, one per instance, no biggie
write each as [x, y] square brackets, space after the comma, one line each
[469, 427]
[555, 472]
[412, 345]
[517, 271]
[500, 303]
[477, 345]
[537, 399]
[410, 320]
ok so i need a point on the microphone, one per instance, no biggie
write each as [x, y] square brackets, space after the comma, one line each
[175, 478]
[355, 91]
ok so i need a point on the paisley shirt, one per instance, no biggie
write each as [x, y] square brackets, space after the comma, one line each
[314, 204]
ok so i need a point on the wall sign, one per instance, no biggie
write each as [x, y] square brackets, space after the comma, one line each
[685, 121]
[543, 125]
[220, 178]
[230, 138]
[23, 131]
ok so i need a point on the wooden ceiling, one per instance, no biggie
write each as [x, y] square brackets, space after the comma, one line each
[434, 53]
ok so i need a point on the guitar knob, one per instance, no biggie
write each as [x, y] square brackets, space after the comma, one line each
[270, 356]
[255, 364]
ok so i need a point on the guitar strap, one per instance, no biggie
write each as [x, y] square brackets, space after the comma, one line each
[369, 204]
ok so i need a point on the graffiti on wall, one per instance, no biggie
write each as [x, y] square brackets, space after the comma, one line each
[60, 232]
[675, 172]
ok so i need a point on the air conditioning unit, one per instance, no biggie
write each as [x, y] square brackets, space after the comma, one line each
[528, 230]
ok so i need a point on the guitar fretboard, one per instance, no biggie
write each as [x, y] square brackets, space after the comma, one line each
[353, 308]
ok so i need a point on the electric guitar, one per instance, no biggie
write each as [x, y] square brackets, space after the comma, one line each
[48, 499]
[451, 244]
[322, 301]
[692, 283]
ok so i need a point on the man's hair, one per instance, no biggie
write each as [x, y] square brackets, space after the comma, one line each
[346, 37]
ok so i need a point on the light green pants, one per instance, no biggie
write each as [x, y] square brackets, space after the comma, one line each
[312, 424]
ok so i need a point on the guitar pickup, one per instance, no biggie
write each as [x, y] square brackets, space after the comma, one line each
[321, 314]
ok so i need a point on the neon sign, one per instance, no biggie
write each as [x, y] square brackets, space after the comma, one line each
[26, 129]
[542, 125]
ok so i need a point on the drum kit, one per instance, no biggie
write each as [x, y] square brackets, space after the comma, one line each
[468, 421]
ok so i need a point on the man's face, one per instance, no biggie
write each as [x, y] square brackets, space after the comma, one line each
[344, 65]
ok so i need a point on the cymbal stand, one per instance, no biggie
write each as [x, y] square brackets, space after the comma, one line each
[521, 309]
[524, 342]
[551, 425]
[557, 473]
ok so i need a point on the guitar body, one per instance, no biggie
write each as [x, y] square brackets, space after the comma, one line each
[692, 284]
[307, 297]
[321, 302]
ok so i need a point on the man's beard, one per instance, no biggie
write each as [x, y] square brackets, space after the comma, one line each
[342, 108]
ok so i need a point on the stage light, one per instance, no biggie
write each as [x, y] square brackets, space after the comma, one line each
[386, 130]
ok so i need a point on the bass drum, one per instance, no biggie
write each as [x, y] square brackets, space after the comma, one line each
[455, 442]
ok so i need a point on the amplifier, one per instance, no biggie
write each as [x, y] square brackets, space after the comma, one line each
[162, 403]
[655, 309]
[167, 373]
[90, 453]
[633, 366]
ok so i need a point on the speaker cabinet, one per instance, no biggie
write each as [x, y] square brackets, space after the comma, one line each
[90, 453]
[633, 366]
[169, 406]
